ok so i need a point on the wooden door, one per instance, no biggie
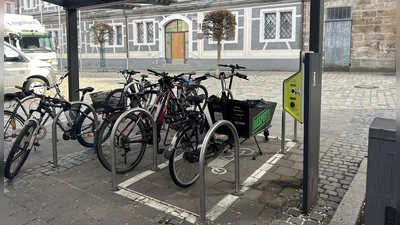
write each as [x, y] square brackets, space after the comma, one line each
[178, 48]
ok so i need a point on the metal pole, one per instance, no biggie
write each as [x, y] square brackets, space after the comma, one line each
[295, 130]
[112, 140]
[41, 13]
[59, 41]
[54, 128]
[80, 42]
[283, 131]
[206, 140]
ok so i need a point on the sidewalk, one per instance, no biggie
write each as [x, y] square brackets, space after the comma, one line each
[78, 192]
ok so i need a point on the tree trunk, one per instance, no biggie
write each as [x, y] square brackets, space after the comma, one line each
[103, 67]
[218, 56]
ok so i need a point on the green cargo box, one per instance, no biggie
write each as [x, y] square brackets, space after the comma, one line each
[249, 117]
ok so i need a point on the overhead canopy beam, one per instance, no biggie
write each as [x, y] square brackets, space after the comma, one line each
[93, 4]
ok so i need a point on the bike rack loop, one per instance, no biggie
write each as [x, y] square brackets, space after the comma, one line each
[207, 138]
[54, 128]
[114, 130]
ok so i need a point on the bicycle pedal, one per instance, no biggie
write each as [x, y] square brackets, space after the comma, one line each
[36, 143]
[160, 151]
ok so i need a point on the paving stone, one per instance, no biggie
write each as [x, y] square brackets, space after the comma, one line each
[295, 220]
[294, 212]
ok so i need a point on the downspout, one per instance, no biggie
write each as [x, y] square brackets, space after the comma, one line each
[126, 39]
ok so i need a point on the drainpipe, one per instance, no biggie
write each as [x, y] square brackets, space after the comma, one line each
[126, 39]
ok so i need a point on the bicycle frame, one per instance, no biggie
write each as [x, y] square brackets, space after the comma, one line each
[158, 111]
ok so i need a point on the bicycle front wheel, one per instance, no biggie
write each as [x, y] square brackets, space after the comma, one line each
[20, 150]
[184, 160]
[130, 142]
[13, 125]
[85, 128]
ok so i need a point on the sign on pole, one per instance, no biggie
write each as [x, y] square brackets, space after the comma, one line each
[293, 96]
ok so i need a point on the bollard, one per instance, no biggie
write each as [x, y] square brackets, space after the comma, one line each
[112, 140]
[207, 138]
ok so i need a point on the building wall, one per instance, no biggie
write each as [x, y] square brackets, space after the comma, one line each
[372, 43]
[373, 33]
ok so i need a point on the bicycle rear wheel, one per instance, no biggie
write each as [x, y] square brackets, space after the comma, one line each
[130, 142]
[19, 151]
[13, 125]
[199, 90]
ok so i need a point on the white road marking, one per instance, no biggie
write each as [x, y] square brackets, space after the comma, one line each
[191, 217]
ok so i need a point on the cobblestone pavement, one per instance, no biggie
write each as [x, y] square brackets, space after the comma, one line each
[350, 101]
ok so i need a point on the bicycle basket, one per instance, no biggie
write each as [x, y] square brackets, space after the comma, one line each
[105, 101]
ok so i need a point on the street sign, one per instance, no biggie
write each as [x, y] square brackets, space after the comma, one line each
[293, 96]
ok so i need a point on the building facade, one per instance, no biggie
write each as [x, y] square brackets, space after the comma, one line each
[358, 35]
[9, 6]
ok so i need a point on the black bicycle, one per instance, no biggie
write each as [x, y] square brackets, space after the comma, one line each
[72, 122]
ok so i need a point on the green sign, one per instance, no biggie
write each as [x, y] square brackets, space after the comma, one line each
[292, 96]
[262, 118]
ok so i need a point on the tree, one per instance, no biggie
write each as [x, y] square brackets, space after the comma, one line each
[101, 33]
[219, 25]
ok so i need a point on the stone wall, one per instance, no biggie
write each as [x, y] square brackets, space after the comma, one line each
[373, 33]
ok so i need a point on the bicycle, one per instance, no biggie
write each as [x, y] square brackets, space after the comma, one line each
[132, 86]
[184, 154]
[31, 132]
[135, 132]
[191, 86]
[14, 119]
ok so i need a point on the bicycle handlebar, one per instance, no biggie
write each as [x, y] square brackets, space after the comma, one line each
[241, 76]
[232, 66]
[130, 72]
[63, 102]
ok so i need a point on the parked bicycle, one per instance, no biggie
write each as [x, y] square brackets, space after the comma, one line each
[15, 118]
[33, 129]
[184, 153]
[135, 132]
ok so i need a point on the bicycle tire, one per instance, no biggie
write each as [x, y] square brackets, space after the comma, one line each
[13, 125]
[126, 157]
[18, 154]
[198, 89]
[184, 163]
[85, 128]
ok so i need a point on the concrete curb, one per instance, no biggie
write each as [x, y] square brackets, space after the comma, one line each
[350, 206]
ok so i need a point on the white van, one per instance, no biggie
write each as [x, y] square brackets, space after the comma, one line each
[24, 71]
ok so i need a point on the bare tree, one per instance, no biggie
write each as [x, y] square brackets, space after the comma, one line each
[100, 34]
[219, 25]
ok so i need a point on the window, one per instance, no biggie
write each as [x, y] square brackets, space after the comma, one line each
[233, 39]
[9, 7]
[143, 32]
[278, 25]
[29, 4]
[118, 35]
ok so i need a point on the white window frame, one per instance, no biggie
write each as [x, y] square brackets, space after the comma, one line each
[114, 25]
[235, 41]
[277, 11]
[29, 4]
[135, 31]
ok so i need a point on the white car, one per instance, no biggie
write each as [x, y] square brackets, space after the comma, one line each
[32, 74]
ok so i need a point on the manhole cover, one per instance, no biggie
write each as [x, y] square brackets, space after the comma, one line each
[366, 86]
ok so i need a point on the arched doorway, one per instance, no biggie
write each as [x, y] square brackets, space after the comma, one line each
[176, 42]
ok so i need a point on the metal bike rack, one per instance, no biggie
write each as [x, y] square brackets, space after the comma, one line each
[114, 130]
[283, 131]
[207, 138]
[54, 129]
